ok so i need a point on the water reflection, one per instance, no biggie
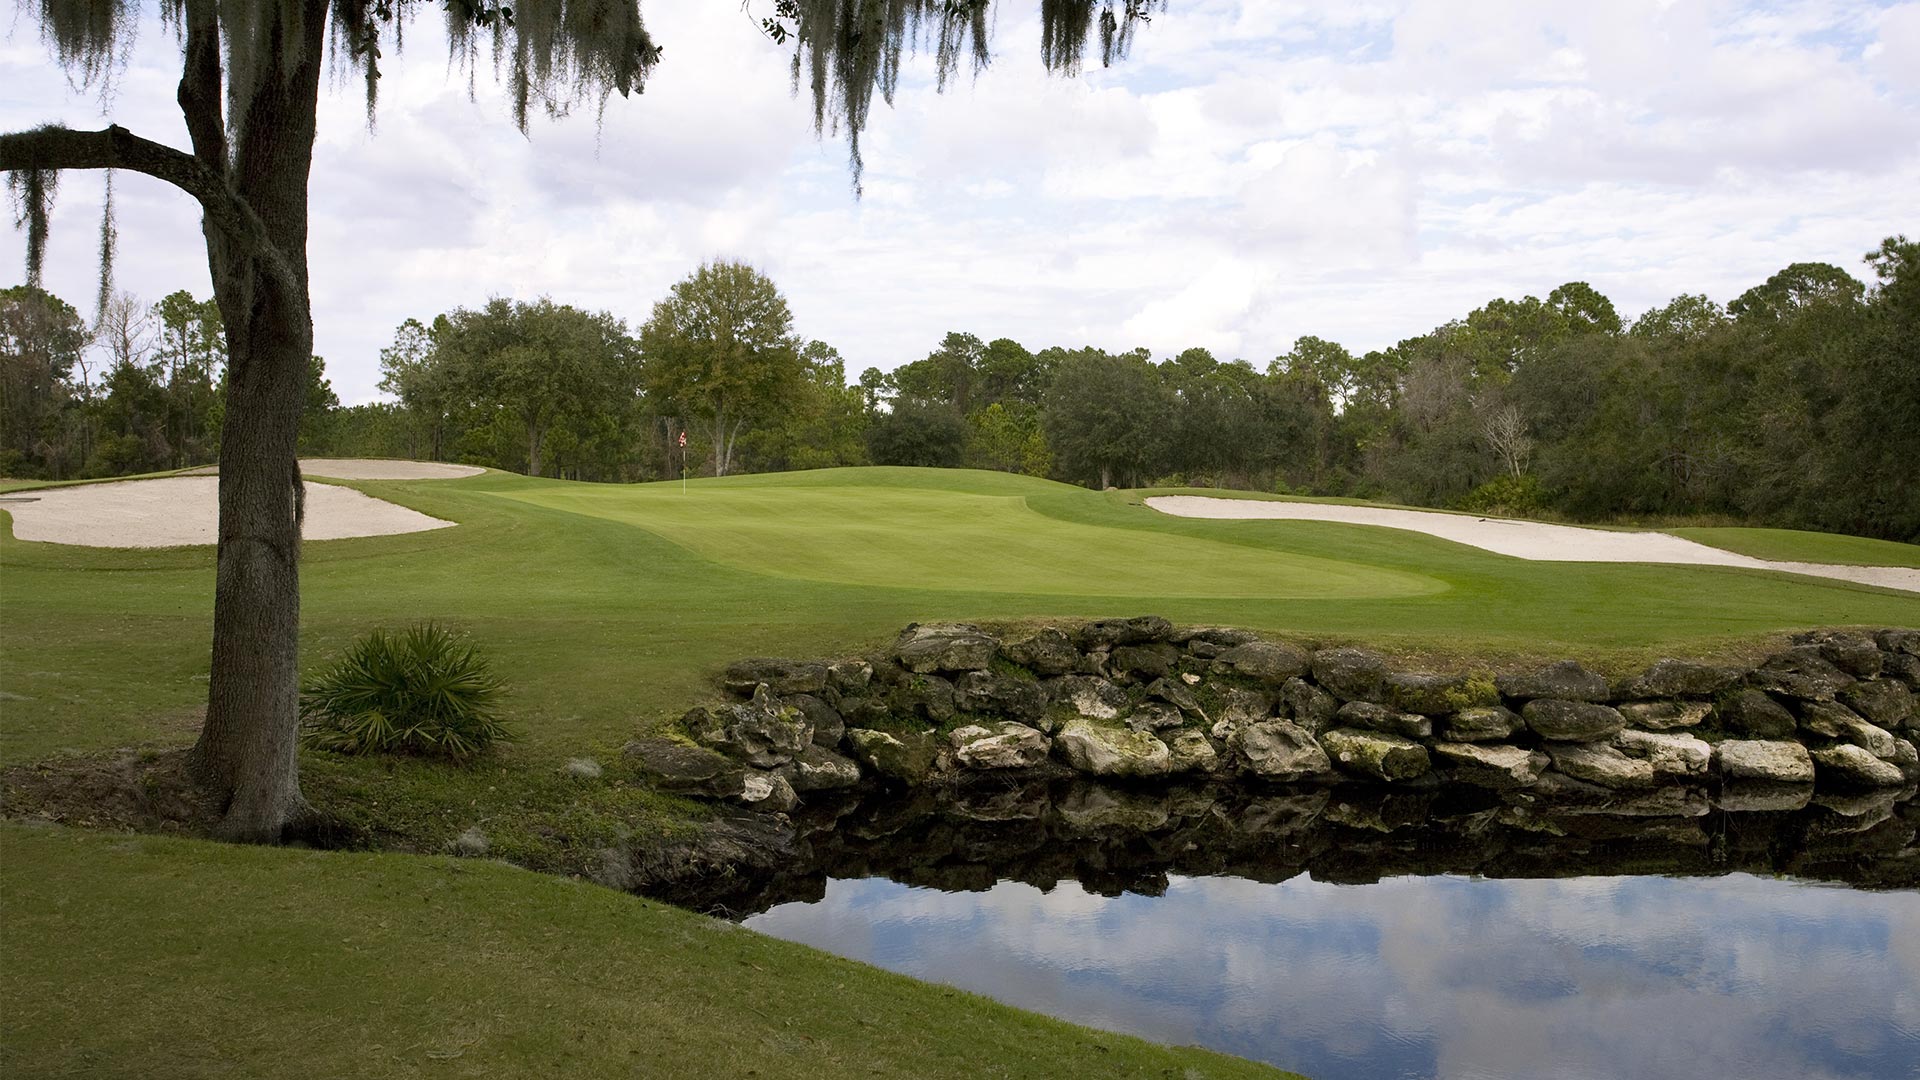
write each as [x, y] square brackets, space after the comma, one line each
[1354, 933]
[1430, 976]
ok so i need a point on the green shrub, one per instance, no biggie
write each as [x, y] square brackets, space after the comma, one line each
[1507, 496]
[424, 690]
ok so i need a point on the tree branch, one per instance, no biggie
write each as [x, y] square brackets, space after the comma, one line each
[115, 147]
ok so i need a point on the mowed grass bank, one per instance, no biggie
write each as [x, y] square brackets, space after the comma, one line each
[609, 608]
[350, 965]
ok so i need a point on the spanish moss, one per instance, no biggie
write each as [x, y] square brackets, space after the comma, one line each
[555, 54]
[32, 191]
[109, 244]
[88, 37]
[848, 49]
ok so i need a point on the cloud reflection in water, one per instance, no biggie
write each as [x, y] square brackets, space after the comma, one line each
[1431, 976]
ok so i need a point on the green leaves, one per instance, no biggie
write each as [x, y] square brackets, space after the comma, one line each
[424, 690]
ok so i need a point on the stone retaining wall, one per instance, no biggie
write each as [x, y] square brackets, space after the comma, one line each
[1142, 702]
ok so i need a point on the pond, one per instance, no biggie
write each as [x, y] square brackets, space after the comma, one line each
[1346, 933]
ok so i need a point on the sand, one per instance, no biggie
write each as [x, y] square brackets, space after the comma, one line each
[1528, 539]
[385, 469]
[177, 510]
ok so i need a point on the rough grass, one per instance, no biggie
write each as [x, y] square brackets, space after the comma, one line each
[351, 965]
[1789, 545]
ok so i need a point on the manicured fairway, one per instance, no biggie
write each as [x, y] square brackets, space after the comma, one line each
[345, 965]
[609, 608]
[985, 539]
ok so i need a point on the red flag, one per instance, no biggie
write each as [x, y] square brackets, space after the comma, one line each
[683, 439]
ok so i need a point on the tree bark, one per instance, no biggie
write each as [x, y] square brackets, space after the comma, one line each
[248, 751]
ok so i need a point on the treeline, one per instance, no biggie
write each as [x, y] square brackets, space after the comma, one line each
[1796, 404]
[549, 389]
[140, 389]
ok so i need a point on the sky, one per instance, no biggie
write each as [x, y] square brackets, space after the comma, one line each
[1256, 170]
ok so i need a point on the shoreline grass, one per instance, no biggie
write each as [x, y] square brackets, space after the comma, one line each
[181, 958]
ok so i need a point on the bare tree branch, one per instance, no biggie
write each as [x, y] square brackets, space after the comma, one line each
[115, 147]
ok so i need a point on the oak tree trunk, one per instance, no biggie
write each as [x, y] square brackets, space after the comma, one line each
[247, 756]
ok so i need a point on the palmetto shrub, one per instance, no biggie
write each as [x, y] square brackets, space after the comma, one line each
[423, 690]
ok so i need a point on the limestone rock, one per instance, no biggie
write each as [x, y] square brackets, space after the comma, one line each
[1906, 758]
[1600, 763]
[1090, 696]
[1487, 723]
[780, 676]
[1240, 705]
[926, 650]
[1905, 642]
[1756, 713]
[1144, 662]
[1279, 750]
[984, 691]
[1350, 674]
[1309, 706]
[1854, 766]
[1190, 751]
[683, 769]
[1048, 652]
[1101, 750]
[928, 698]
[897, 757]
[1365, 714]
[866, 712]
[1498, 767]
[1885, 702]
[1801, 672]
[1438, 695]
[828, 724]
[1836, 721]
[1664, 715]
[472, 843]
[1370, 754]
[763, 733]
[849, 676]
[817, 768]
[1763, 759]
[1155, 716]
[1855, 653]
[1220, 637]
[1678, 679]
[1108, 633]
[1567, 680]
[1006, 745]
[1269, 661]
[582, 768]
[768, 792]
[1572, 721]
[1178, 695]
[1674, 757]
[1902, 666]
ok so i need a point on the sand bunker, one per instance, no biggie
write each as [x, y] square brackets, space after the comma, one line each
[176, 510]
[385, 469]
[1528, 539]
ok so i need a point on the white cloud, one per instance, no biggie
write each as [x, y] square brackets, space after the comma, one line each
[1258, 169]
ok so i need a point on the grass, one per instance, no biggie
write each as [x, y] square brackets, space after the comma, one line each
[1790, 545]
[608, 609]
[349, 965]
